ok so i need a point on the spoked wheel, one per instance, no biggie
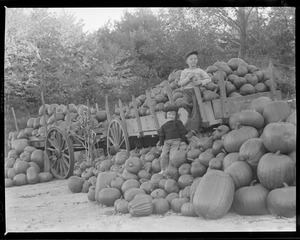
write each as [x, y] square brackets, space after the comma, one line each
[59, 149]
[117, 137]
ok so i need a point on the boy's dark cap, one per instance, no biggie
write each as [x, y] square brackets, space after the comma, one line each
[191, 53]
[171, 107]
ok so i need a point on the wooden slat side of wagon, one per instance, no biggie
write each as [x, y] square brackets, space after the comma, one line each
[205, 114]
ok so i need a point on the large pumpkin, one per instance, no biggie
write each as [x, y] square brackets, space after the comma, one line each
[282, 201]
[108, 196]
[275, 169]
[250, 118]
[214, 195]
[280, 136]
[276, 111]
[251, 200]
[241, 174]
[251, 151]
[141, 205]
[103, 180]
[234, 139]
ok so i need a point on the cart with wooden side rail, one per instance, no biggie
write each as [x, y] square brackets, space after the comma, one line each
[205, 114]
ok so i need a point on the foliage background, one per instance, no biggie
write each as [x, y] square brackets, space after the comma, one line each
[50, 52]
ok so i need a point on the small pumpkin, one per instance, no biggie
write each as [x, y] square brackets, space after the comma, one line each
[187, 209]
[130, 183]
[178, 157]
[158, 193]
[204, 158]
[147, 187]
[160, 206]
[177, 203]
[133, 165]
[32, 175]
[185, 180]
[197, 169]
[20, 179]
[184, 169]
[130, 193]
[215, 163]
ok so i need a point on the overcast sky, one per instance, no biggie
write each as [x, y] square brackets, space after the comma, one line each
[95, 18]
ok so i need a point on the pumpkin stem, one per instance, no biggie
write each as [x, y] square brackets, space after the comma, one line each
[252, 183]
[277, 153]
[285, 184]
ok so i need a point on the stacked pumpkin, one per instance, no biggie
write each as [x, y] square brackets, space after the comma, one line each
[36, 127]
[240, 78]
[25, 165]
[236, 166]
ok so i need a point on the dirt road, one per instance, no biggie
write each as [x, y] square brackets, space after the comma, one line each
[51, 207]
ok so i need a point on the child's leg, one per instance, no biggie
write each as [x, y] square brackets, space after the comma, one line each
[164, 157]
[175, 146]
[188, 96]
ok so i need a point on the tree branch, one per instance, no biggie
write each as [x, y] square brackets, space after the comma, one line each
[229, 20]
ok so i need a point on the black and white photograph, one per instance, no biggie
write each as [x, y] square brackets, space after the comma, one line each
[150, 119]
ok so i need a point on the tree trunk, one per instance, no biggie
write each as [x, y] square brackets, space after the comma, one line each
[243, 32]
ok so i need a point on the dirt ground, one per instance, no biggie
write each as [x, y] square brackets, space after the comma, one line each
[51, 207]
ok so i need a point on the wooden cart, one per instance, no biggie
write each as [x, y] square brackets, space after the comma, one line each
[59, 146]
[205, 114]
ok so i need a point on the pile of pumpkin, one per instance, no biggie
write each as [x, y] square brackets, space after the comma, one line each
[240, 78]
[25, 164]
[248, 166]
[57, 115]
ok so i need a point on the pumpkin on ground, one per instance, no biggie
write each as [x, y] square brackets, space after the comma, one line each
[21, 167]
[121, 206]
[141, 205]
[251, 200]
[178, 157]
[103, 180]
[32, 175]
[275, 169]
[160, 205]
[177, 203]
[45, 177]
[75, 184]
[108, 196]
[20, 179]
[37, 156]
[9, 182]
[187, 209]
[214, 195]
[19, 145]
[132, 192]
[282, 201]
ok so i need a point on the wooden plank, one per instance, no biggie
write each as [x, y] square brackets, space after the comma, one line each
[152, 111]
[236, 104]
[15, 119]
[122, 114]
[216, 103]
[137, 116]
[108, 113]
[44, 108]
[169, 92]
[272, 85]
[210, 113]
[200, 103]
[223, 98]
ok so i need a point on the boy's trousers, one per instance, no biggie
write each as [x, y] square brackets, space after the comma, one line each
[170, 146]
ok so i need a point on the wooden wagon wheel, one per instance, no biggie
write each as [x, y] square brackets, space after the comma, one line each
[59, 149]
[117, 137]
